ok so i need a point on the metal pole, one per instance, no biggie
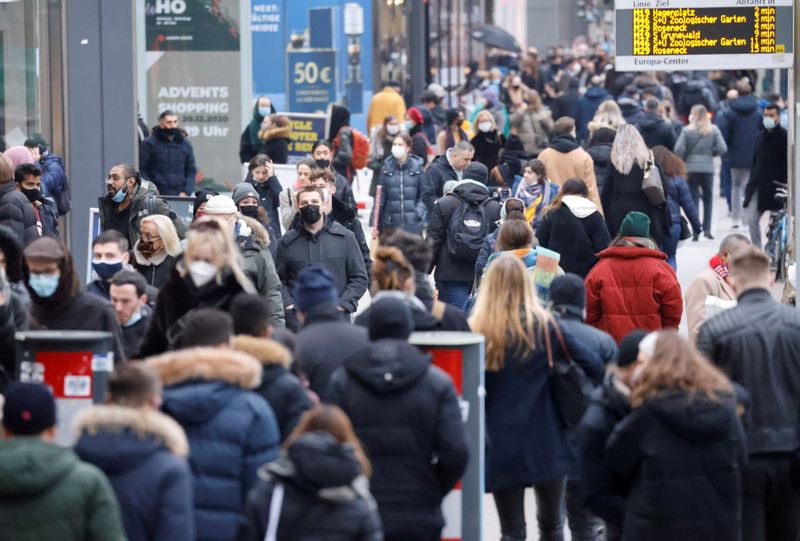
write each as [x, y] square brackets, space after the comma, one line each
[794, 148]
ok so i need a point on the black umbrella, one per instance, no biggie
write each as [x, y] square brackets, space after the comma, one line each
[496, 37]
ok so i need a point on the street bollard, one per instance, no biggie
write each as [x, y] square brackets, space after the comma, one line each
[461, 355]
[74, 364]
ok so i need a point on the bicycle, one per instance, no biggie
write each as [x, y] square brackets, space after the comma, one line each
[777, 244]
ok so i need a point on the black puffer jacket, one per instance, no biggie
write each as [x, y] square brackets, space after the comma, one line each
[169, 164]
[433, 181]
[753, 343]
[325, 497]
[601, 156]
[17, 213]
[447, 267]
[656, 131]
[623, 194]
[401, 200]
[682, 456]
[406, 414]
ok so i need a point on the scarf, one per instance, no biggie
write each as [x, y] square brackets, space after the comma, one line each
[534, 196]
[719, 267]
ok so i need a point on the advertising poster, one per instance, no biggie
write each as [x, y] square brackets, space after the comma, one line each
[193, 69]
[306, 130]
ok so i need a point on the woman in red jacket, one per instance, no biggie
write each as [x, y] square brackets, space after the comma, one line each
[632, 286]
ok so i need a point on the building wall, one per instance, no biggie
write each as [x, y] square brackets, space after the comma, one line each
[552, 23]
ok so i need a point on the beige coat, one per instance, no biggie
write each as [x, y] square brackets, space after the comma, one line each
[562, 166]
[707, 284]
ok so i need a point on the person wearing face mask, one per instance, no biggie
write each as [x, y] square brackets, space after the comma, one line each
[167, 157]
[322, 153]
[156, 251]
[130, 198]
[261, 177]
[128, 295]
[487, 141]
[250, 143]
[207, 275]
[452, 133]
[286, 200]
[769, 168]
[57, 302]
[401, 176]
[320, 240]
[245, 196]
[29, 182]
[380, 147]
[417, 129]
[16, 211]
[109, 256]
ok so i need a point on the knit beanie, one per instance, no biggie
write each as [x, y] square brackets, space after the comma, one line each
[200, 197]
[390, 318]
[568, 290]
[220, 205]
[242, 191]
[635, 224]
[476, 171]
[314, 285]
[629, 347]
[29, 409]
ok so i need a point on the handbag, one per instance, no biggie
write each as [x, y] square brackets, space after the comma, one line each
[652, 186]
[567, 382]
[685, 231]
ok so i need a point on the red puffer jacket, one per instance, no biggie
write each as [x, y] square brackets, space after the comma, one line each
[632, 288]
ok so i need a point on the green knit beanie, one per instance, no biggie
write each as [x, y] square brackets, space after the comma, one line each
[635, 224]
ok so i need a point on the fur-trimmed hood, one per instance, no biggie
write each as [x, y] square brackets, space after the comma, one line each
[207, 364]
[269, 352]
[257, 230]
[277, 132]
[145, 423]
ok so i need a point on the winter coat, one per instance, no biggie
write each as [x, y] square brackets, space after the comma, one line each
[155, 270]
[587, 107]
[168, 164]
[696, 92]
[401, 203]
[601, 158]
[48, 215]
[708, 283]
[275, 143]
[679, 197]
[231, 430]
[632, 288]
[682, 456]
[698, 150]
[487, 148]
[740, 125]
[145, 202]
[449, 268]
[13, 318]
[284, 392]
[534, 128]
[526, 442]
[605, 491]
[249, 143]
[571, 319]
[133, 335]
[488, 247]
[575, 230]
[441, 317]
[656, 131]
[384, 103]
[405, 413]
[258, 265]
[769, 166]
[343, 153]
[17, 213]
[313, 352]
[439, 172]
[269, 193]
[757, 345]
[55, 182]
[326, 498]
[178, 296]
[288, 210]
[564, 160]
[47, 494]
[631, 110]
[143, 453]
[335, 248]
[623, 194]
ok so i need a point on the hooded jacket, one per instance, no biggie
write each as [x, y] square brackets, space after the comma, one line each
[275, 143]
[47, 494]
[143, 453]
[17, 213]
[284, 392]
[587, 107]
[405, 413]
[54, 180]
[249, 143]
[231, 430]
[448, 317]
[577, 231]
[682, 456]
[401, 203]
[447, 267]
[325, 496]
[740, 125]
[632, 288]
[565, 159]
[656, 131]
[259, 267]
[631, 110]
[601, 158]
[169, 164]
[439, 172]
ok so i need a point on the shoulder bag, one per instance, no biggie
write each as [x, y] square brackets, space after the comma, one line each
[567, 382]
[652, 186]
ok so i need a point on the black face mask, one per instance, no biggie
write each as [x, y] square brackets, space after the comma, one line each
[32, 194]
[250, 211]
[323, 163]
[310, 214]
[172, 132]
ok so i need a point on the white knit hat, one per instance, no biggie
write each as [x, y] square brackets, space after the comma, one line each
[220, 205]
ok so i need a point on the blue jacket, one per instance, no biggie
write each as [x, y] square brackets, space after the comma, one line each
[168, 164]
[527, 443]
[570, 318]
[740, 125]
[54, 180]
[679, 197]
[231, 430]
[587, 107]
[143, 454]
[401, 203]
[487, 249]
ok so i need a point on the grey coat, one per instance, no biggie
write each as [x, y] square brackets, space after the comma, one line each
[258, 265]
[698, 151]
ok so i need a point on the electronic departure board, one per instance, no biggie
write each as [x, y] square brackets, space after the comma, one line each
[670, 35]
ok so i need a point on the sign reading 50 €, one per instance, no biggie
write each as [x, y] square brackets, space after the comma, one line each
[312, 80]
[310, 72]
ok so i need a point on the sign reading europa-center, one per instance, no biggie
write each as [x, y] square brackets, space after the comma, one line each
[695, 34]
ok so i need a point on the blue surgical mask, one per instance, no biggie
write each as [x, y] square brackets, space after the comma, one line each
[409, 125]
[105, 270]
[136, 317]
[769, 123]
[119, 197]
[44, 285]
[264, 111]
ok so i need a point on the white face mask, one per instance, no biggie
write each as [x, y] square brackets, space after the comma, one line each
[392, 129]
[202, 272]
[399, 152]
[485, 127]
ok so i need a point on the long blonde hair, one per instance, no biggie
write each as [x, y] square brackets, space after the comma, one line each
[677, 365]
[507, 312]
[208, 231]
[166, 230]
[698, 119]
[629, 148]
[608, 115]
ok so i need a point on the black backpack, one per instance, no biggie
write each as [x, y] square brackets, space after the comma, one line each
[466, 229]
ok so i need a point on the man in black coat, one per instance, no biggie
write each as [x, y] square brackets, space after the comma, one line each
[769, 167]
[654, 129]
[406, 414]
[167, 158]
[757, 344]
[444, 168]
[326, 339]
